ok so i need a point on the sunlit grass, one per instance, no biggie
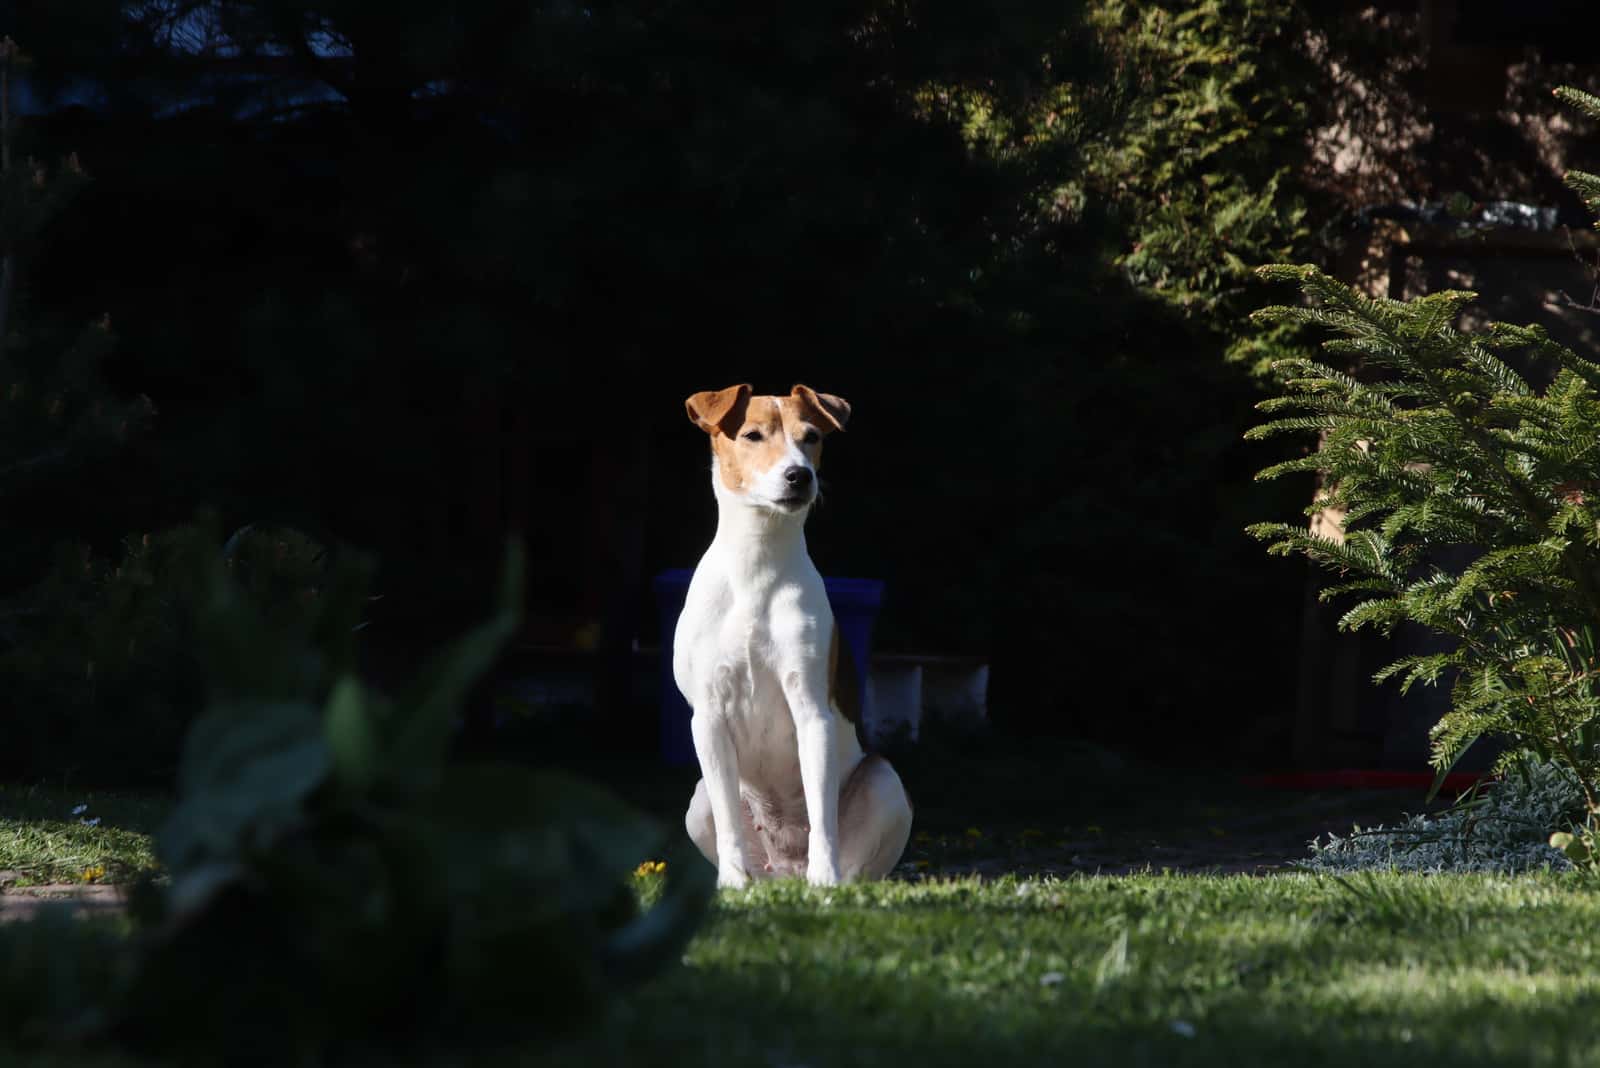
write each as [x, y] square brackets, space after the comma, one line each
[1147, 969]
[64, 836]
[1152, 969]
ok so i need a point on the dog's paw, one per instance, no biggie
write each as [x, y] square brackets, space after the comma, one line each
[822, 875]
[732, 879]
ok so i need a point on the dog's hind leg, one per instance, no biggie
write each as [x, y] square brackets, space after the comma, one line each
[698, 822]
[874, 821]
[702, 828]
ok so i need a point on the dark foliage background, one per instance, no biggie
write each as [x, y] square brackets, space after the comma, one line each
[351, 248]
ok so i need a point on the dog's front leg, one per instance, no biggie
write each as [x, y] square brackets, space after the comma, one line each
[719, 766]
[816, 732]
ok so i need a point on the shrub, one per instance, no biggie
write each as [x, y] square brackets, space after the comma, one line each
[1504, 828]
[100, 661]
[1470, 506]
[1201, 167]
[1456, 450]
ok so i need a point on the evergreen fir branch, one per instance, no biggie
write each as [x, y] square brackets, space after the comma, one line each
[1510, 567]
[1380, 350]
[1435, 520]
[1360, 512]
[1288, 538]
[1423, 668]
[1311, 463]
[1278, 314]
[1382, 615]
[1332, 404]
[1345, 589]
[1338, 555]
[1362, 315]
[1298, 273]
[1525, 414]
[1304, 375]
[1587, 103]
[1484, 702]
[1432, 314]
[1373, 439]
[1501, 374]
[1291, 425]
[1586, 185]
[1406, 482]
[1364, 552]
[1544, 347]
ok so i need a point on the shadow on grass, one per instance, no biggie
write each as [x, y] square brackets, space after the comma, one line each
[991, 804]
[138, 812]
[888, 1011]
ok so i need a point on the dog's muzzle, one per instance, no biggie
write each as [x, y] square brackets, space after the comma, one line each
[798, 481]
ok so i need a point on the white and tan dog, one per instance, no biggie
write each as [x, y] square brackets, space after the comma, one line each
[786, 786]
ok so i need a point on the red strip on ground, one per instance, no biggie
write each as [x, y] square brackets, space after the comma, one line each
[1361, 779]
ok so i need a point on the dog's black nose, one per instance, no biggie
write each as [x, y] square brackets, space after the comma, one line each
[798, 477]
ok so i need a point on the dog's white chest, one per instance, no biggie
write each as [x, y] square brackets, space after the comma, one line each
[733, 655]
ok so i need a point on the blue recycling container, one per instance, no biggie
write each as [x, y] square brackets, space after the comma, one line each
[855, 604]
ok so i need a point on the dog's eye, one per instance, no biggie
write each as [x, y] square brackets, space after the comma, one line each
[811, 437]
[752, 435]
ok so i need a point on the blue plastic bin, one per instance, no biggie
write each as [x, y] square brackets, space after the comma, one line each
[855, 604]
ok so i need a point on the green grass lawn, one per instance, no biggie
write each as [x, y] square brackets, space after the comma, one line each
[1130, 970]
[1145, 969]
[43, 840]
[1127, 970]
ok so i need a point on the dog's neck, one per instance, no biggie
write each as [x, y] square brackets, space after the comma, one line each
[758, 543]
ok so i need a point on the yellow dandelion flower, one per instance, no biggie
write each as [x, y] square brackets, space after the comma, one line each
[94, 873]
[651, 867]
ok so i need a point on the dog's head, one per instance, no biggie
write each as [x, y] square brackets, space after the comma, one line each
[768, 449]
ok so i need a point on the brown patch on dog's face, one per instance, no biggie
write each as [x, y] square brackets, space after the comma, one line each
[755, 447]
[752, 435]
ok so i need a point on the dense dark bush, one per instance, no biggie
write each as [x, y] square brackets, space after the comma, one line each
[1015, 238]
[100, 660]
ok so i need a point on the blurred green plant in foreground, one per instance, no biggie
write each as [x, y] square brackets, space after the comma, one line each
[331, 884]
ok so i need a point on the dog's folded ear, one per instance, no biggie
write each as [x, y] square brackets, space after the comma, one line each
[721, 409]
[832, 412]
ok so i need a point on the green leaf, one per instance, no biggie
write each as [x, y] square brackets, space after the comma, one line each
[1572, 845]
[352, 741]
[1446, 767]
[246, 768]
[193, 888]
